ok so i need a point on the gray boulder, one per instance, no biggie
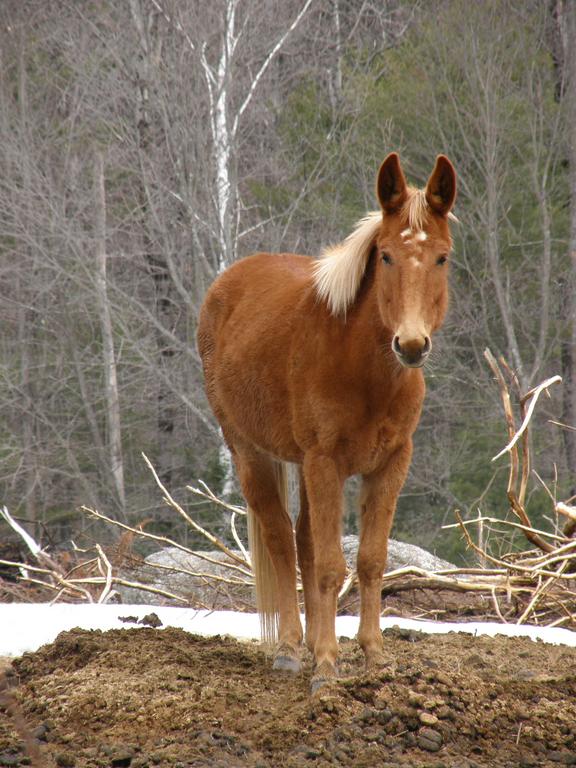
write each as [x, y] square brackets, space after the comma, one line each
[204, 579]
[216, 583]
[400, 555]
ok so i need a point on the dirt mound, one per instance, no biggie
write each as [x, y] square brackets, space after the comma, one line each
[145, 697]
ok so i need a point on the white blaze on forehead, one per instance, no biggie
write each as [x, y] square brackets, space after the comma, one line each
[409, 236]
[415, 262]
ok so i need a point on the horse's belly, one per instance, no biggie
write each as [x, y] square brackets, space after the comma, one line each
[245, 336]
[253, 402]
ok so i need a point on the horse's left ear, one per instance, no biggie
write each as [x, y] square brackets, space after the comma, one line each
[441, 187]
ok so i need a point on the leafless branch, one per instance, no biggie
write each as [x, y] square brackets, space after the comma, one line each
[218, 543]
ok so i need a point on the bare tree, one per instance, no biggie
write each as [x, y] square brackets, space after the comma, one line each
[109, 361]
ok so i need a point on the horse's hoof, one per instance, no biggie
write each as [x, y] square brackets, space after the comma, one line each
[286, 659]
[375, 661]
[324, 675]
[317, 683]
[284, 663]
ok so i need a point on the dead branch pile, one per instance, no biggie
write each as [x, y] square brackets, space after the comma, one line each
[537, 585]
[94, 575]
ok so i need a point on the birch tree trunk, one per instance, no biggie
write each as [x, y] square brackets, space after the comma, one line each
[335, 74]
[225, 122]
[109, 360]
[226, 117]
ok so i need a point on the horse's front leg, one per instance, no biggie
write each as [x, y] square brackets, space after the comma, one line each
[380, 492]
[324, 487]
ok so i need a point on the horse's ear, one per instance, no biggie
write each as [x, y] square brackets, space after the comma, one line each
[441, 187]
[391, 186]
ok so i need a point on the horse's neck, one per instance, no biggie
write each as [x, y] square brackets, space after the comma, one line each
[360, 339]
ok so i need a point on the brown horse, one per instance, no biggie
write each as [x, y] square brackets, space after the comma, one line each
[318, 362]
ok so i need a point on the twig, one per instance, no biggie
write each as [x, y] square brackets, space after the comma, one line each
[200, 574]
[497, 605]
[238, 541]
[349, 582]
[560, 424]
[516, 495]
[32, 545]
[570, 512]
[209, 495]
[174, 504]
[166, 540]
[534, 394]
[511, 523]
[105, 594]
[539, 593]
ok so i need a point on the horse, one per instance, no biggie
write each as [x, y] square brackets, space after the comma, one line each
[318, 362]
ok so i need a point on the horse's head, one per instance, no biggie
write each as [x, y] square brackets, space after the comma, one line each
[413, 248]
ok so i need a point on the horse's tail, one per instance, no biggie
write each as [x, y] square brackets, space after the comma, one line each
[264, 574]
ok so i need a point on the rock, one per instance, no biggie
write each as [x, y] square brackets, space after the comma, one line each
[427, 718]
[7, 759]
[40, 732]
[151, 620]
[429, 739]
[201, 591]
[400, 555]
[65, 760]
[121, 761]
[563, 758]
[122, 757]
[416, 699]
[197, 589]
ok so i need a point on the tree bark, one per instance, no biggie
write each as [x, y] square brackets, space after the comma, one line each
[150, 40]
[109, 359]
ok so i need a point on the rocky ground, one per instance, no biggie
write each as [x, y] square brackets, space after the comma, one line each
[149, 697]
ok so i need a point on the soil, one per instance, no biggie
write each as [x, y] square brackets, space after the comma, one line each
[161, 697]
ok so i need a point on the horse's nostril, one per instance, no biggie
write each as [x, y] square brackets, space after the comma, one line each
[412, 352]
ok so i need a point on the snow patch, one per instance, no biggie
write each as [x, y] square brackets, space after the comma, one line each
[26, 627]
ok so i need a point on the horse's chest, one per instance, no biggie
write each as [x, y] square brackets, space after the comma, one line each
[362, 433]
[369, 447]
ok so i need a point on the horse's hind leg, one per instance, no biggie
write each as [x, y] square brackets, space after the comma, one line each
[305, 547]
[259, 484]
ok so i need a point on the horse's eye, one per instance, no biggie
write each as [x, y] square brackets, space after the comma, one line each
[386, 258]
[441, 260]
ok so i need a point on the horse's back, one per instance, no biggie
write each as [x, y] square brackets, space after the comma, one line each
[254, 297]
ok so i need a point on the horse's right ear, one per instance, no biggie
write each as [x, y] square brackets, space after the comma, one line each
[391, 186]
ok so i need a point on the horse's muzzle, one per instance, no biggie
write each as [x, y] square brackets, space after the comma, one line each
[413, 353]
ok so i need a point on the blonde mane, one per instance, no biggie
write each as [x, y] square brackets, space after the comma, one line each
[339, 270]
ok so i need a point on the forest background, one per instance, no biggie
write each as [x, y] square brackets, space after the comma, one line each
[147, 144]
